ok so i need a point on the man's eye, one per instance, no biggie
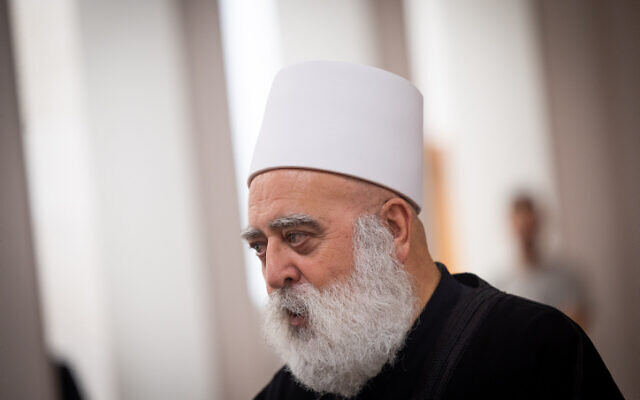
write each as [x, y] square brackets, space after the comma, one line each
[296, 237]
[259, 248]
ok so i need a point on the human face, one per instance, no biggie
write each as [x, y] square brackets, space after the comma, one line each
[377, 301]
[300, 226]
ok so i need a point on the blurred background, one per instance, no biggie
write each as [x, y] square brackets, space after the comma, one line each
[126, 134]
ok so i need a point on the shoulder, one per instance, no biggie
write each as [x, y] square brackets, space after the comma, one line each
[518, 311]
[284, 386]
[524, 344]
[516, 318]
[554, 350]
[520, 321]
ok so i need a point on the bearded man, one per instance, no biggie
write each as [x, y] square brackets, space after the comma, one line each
[357, 307]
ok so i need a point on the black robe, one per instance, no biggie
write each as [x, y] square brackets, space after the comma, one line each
[520, 350]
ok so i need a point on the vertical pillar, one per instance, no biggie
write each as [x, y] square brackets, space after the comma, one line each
[25, 371]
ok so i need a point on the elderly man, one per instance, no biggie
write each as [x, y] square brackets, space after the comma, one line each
[357, 307]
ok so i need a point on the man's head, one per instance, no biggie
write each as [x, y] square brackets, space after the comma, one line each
[343, 264]
[334, 191]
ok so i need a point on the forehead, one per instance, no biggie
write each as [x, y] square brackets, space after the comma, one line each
[290, 191]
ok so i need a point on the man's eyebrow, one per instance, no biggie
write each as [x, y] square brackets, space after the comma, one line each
[294, 220]
[251, 233]
[288, 221]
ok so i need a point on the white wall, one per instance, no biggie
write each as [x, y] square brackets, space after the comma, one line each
[150, 225]
[478, 67]
[328, 30]
[62, 190]
[114, 198]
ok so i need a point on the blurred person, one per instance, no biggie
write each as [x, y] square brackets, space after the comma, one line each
[536, 275]
[357, 307]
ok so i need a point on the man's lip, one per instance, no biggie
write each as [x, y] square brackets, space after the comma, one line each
[297, 319]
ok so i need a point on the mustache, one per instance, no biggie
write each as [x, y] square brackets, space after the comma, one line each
[287, 300]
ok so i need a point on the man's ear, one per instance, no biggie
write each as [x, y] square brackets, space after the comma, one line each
[396, 213]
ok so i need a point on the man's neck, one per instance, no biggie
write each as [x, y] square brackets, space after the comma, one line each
[426, 277]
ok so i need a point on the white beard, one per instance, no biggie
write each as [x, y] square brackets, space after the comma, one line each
[353, 327]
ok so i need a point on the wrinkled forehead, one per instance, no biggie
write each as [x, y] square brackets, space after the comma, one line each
[298, 191]
[299, 185]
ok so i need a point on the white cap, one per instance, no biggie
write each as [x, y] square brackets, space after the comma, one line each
[349, 119]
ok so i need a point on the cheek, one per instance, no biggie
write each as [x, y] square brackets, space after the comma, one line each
[333, 263]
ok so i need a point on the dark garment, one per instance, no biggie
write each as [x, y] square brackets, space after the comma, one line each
[67, 386]
[520, 350]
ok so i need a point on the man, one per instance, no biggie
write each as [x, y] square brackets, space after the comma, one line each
[537, 275]
[358, 308]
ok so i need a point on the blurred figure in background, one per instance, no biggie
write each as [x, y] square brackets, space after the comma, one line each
[536, 275]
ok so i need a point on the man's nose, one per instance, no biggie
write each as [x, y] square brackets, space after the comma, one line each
[280, 270]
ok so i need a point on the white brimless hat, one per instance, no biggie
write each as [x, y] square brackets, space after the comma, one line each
[344, 118]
